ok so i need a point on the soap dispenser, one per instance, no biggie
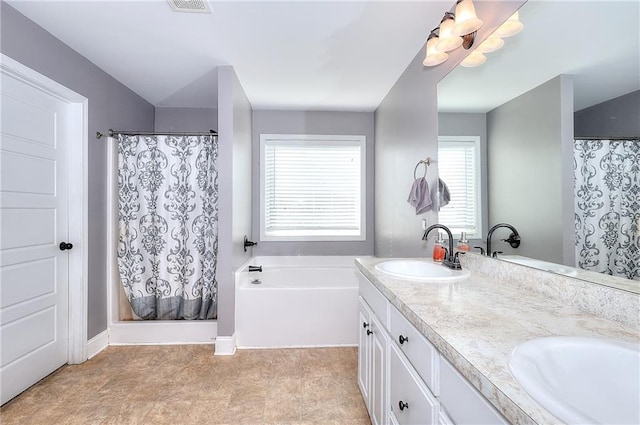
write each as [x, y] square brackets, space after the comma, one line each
[463, 243]
[439, 250]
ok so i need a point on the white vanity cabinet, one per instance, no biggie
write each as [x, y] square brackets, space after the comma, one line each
[372, 363]
[403, 378]
[464, 404]
[411, 401]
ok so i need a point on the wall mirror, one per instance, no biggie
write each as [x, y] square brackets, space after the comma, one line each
[572, 59]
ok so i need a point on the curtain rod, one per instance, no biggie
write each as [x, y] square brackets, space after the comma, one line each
[112, 133]
[605, 138]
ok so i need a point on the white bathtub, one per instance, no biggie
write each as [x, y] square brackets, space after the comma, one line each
[299, 302]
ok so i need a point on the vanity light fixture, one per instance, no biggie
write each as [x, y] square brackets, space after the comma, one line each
[460, 29]
[455, 30]
[466, 22]
[475, 58]
[448, 41]
[511, 26]
[434, 57]
[491, 44]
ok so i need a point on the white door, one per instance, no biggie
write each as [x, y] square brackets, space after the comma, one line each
[34, 322]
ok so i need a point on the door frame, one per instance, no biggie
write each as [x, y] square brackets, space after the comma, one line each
[78, 197]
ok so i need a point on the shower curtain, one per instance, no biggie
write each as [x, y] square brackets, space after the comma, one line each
[168, 225]
[607, 206]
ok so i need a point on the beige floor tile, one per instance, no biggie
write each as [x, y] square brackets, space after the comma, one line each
[320, 410]
[185, 385]
[249, 389]
[245, 411]
[284, 388]
[283, 410]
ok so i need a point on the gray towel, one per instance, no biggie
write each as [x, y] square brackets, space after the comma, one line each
[443, 197]
[419, 196]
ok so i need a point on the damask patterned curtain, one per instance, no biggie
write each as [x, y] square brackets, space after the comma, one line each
[607, 206]
[168, 224]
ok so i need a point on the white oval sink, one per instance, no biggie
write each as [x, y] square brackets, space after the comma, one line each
[581, 380]
[422, 270]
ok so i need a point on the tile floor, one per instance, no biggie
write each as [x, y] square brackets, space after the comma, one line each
[182, 385]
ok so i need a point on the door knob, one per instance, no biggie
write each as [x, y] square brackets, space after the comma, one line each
[65, 245]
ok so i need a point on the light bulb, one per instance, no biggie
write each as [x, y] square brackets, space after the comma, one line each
[474, 59]
[434, 57]
[511, 26]
[448, 41]
[491, 44]
[466, 20]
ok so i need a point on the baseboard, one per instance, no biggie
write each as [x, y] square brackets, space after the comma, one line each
[97, 344]
[225, 345]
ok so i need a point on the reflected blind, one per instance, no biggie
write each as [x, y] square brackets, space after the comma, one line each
[312, 188]
[457, 165]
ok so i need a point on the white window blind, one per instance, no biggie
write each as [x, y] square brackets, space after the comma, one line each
[312, 187]
[459, 168]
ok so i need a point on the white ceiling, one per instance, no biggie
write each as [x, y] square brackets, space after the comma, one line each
[598, 42]
[324, 55]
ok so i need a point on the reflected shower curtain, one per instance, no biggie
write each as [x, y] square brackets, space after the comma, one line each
[168, 225]
[607, 206]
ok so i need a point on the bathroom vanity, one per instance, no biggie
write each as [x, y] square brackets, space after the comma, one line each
[437, 352]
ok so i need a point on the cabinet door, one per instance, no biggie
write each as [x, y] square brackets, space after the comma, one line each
[364, 351]
[410, 400]
[464, 404]
[379, 385]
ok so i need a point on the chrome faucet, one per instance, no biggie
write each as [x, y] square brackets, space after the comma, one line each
[513, 239]
[450, 260]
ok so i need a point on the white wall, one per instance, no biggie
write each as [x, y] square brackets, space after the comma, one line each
[301, 122]
[234, 187]
[173, 120]
[530, 171]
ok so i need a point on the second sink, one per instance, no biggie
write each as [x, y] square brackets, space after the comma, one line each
[422, 270]
[581, 380]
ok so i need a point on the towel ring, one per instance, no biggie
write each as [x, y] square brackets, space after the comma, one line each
[426, 167]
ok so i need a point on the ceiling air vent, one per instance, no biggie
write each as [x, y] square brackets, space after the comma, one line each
[190, 6]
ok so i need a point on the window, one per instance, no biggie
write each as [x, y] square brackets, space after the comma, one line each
[459, 168]
[312, 188]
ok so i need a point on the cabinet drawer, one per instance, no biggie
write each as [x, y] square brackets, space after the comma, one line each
[419, 406]
[374, 298]
[420, 352]
[465, 404]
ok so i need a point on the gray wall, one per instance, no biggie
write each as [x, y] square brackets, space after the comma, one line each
[185, 119]
[406, 129]
[529, 138]
[111, 105]
[329, 123]
[467, 124]
[619, 117]
[234, 180]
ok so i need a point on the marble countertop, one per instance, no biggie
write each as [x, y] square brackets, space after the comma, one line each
[476, 323]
